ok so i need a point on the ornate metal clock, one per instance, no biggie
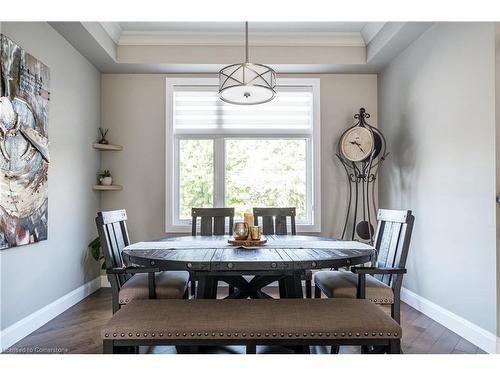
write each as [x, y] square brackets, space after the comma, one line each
[361, 150]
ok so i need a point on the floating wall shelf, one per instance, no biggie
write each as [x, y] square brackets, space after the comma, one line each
[108, 147]
[108, 187]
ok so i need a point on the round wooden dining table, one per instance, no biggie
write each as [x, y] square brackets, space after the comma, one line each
[285, 259]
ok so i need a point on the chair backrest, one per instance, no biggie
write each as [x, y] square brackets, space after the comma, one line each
[392, 241]
[212, 221]
[112, 229]
[274, 219]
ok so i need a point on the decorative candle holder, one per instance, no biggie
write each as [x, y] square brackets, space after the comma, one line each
[240, 231]
[255, 233]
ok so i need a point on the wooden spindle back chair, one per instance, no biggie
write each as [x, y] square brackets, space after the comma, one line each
[274, 220]
[212, 221]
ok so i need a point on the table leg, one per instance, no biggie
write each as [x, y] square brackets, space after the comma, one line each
[207, 287]
[293, 286]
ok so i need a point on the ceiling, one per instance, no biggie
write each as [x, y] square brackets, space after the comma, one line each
[205, 47]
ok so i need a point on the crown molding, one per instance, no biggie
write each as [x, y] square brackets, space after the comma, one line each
[179, 38]
[370, 30]
[113, 29]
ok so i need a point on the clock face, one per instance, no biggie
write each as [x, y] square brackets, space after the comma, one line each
[357, 144]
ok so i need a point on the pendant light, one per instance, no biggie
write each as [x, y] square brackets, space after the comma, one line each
[247, 83]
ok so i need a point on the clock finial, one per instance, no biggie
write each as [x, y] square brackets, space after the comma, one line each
[361, 116]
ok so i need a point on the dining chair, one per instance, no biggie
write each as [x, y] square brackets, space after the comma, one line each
[381, 283]
[212, 223]
[130, 282]
[275, 221]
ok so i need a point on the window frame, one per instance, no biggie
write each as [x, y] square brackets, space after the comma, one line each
[172, 146]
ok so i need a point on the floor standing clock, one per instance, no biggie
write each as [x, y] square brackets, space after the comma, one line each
[361, 150]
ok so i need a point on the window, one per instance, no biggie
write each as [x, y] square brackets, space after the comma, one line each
[225, 155]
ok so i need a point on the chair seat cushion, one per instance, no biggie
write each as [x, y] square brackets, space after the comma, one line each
[169, 284]
[343, 284]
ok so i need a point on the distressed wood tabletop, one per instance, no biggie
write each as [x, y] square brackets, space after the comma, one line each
[280, 253]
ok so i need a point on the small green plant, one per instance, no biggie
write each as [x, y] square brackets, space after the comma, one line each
[95, 250]
[104, 173]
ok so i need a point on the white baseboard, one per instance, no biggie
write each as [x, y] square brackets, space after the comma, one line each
[480, 337]
[17, 331]
[105, 282]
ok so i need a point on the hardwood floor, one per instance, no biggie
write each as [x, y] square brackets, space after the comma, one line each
[77, 330]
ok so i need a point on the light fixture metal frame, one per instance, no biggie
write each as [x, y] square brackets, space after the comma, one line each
[241, 83]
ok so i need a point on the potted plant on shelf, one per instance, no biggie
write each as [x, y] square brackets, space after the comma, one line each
[105, 177]
[103, 140]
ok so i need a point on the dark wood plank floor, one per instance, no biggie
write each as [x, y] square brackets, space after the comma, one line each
[77, 331]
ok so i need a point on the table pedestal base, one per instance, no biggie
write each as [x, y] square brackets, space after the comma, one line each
[290, 286]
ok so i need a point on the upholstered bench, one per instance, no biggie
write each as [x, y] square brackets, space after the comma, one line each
[251, 322]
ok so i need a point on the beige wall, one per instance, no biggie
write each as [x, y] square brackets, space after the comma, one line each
[437, 111]
[229, 54]
[35, 275]
[133, 107]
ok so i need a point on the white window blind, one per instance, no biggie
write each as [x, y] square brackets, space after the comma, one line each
[200, 109]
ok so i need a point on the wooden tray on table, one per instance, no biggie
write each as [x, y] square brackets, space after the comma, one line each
[248, 244]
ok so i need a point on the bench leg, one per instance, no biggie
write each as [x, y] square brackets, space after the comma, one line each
[107, 346]
[395, 347]
[251, 349]
[335, 349]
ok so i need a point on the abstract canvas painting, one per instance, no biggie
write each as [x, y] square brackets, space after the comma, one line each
[24, 146]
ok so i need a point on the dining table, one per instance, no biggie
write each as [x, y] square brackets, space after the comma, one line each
[283, 259]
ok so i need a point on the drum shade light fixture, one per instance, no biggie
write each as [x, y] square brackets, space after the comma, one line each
[247, 83]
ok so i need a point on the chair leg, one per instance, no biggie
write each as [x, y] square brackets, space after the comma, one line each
[396, 312]
[365, 349]
[308, 289]
[335, 349]
[317, 292]
[193, 288]
[282, 289]
[186, 349]
[115, 304]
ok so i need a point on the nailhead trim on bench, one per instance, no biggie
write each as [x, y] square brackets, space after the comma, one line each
[251, 334]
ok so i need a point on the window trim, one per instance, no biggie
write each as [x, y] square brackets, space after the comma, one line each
[171, 205]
